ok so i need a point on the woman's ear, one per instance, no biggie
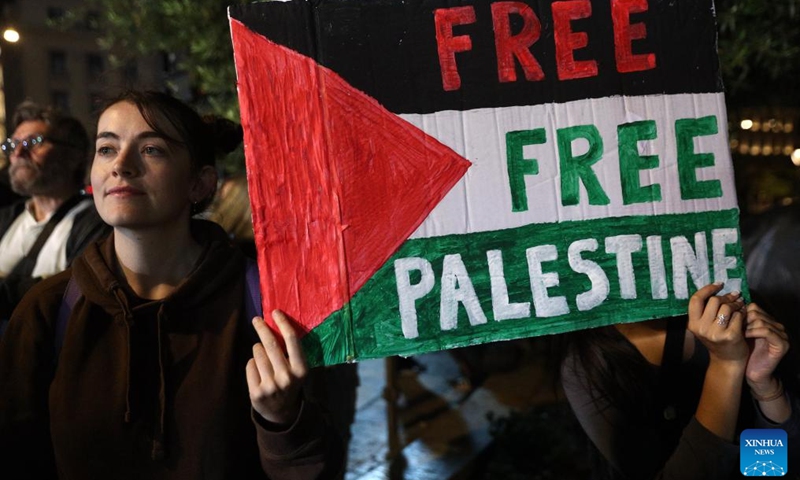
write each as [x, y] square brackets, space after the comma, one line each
[205, 185]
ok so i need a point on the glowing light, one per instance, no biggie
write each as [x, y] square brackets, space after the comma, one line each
[744, 148]
[10, 35]
[746, 124]
[796, 157]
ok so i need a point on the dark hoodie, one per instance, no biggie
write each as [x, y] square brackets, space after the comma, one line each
[145, 389]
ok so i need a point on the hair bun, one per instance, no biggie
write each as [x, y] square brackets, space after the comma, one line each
[227, 135]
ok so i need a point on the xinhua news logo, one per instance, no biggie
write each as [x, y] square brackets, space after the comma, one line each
[762, 453]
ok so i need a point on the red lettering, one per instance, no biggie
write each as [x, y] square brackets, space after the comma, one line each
[448, 45]
[625, 33]
[568, 41]
[509, 46]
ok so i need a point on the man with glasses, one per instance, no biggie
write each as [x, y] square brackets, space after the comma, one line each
[48, 155]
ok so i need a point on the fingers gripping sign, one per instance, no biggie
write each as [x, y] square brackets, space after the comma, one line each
[718, 322]
[275, 377]
[768, 342]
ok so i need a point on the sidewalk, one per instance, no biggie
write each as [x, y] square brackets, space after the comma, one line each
[442, 437]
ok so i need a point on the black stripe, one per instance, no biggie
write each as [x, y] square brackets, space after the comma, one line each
[388, 49]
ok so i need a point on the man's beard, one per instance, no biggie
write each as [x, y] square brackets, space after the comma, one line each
[53, 173]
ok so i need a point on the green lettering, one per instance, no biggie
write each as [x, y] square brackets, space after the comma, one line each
[579, 169]
[519, 166]
[689, 161]
[631, 163]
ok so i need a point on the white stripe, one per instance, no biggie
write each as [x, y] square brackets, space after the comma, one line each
[481, 201]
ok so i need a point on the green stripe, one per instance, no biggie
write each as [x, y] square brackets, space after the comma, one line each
[375, 315]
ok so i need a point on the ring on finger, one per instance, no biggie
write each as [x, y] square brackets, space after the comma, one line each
[722, 320]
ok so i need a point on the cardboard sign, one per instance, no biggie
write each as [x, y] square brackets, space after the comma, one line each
[427, 175]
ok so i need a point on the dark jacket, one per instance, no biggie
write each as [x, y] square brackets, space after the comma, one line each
[146, 389]
[655, 434]
[87, 227]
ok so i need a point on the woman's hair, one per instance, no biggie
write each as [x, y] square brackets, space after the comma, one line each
[615, 373]
[204, 138]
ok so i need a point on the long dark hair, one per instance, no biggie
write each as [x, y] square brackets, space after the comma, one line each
[205, 138]
[615, 372]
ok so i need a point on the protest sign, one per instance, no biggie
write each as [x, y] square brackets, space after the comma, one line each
[433, 174]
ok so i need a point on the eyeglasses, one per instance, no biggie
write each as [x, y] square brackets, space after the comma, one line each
[10, 145]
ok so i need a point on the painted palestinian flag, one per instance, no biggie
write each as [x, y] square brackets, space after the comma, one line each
[433, 174]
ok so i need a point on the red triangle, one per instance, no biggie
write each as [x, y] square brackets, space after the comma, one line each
[337, 182]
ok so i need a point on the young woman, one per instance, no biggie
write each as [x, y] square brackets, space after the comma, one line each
[668, 398]
[157, 374]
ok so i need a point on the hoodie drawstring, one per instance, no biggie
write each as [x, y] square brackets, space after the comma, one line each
[119, 295]
[158, 452]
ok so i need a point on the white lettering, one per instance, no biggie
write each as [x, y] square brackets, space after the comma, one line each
[408, 294]
[767, 442]
[720, 238]
[501, 308]
[545, 305]
[623, 246]
[658, 272]
[684, 259]
[600, 287]
[457, 288]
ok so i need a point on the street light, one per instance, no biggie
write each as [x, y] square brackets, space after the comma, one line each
[796, 157]
[11, 35]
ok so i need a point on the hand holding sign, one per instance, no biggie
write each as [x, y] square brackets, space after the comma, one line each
[274, 378]
[460, 172]
[769, 344]
[717, 322]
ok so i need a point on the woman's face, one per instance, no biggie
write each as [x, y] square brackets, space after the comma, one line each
[139, 179]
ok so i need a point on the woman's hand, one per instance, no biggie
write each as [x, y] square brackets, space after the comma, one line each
[275, 378]
[717, 321]
[768, 344]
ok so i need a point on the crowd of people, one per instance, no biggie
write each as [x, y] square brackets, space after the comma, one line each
[128, 350]
[154, 368]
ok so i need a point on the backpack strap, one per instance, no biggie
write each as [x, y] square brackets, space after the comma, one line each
[669, 372]
[71, 296]
[252, 293]
[25, 266]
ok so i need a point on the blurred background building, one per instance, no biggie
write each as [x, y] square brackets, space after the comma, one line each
[765, 145]
[71, 53]
[51, 53]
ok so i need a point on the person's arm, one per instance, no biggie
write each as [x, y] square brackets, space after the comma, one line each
[718, 322]
[294, 440]
[705, 449]
[776, 407]
[26, 370]
[769, 343]
[635, 450]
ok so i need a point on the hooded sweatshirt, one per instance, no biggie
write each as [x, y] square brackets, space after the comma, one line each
[146, 388]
